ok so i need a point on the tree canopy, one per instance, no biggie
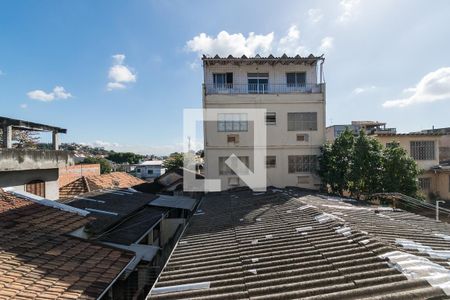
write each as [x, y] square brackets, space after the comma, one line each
[174, 161]
[363, 167]
[125, 157]
[105, 166]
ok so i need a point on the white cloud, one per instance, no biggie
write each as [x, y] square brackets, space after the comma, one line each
[326, 44]
[360, 90]
[349, 8]
[58, 93]
[119, 74]
[235, 44]
[290, 43]
[24, 105]
[315, 15]
[434, 86]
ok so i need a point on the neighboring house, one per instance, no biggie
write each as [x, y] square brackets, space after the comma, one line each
[145, 224]
[69, 174]
[291, 245]
[31, 170]
[444, 142]
[149, 169]
[370, 128]
[39, 259]
[91, 183]
[424, 149]
[291, 90]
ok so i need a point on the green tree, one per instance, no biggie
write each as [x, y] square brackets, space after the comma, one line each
[366, 166]
[125, 157]
[105, 166]
[174, 161]
[342, 153]
[400, 171]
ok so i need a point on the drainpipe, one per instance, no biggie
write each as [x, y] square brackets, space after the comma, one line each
[437, 208]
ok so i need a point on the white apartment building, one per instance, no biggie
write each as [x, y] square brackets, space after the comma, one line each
[292, 91]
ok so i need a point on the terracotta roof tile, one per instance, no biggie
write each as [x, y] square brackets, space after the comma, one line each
[38, 260]
[112, 180]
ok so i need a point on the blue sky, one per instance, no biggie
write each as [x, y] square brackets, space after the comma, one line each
[119, 73]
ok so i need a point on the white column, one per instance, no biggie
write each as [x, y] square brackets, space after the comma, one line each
[55, 140]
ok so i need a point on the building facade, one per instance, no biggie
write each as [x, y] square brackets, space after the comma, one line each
[424, 149]
[149, 169]
[31, 170]
[370, 128]
[292, 92]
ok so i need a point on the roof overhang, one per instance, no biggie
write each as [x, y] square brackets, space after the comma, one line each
[174, 202]
[30, 126]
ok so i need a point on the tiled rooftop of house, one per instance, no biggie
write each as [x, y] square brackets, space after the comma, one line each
[286, 244]
[104, 181]
[38, 260]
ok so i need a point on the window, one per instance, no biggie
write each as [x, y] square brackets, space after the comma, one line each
[258, 83]
[271, 118]
[302, 137]
[225, 170]
[36, 187]
[223, 80]
[232, 122]
[306, 121]
[149, 172]
[422, 150]
[296, 79]
[138, 170]
[271, 161]
[425, 183]
[302, 163]
[233, 138]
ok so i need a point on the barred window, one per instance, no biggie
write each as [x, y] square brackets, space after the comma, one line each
[225, 170]
[422, 150]
[302, 163]
[425, 184]
[232, 122]
[304, 121]
[271, 118]
[271, 161]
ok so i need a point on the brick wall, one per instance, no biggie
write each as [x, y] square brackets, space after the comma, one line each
[72, 173]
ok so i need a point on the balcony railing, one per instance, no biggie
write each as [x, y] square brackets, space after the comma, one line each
[263, 88]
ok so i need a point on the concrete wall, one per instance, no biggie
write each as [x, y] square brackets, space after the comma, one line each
[169, 227]
[441, 184]
[405, 140]
[18, 180]
[29, 159]
[444, 147]
[69, 174]
[280, 142]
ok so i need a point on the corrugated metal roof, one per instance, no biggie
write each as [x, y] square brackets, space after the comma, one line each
[174, 202]
[283, 246]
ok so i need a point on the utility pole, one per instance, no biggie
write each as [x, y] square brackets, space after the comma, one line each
[437, 208]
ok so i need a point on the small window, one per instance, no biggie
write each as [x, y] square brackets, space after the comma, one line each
[138, 170]
[223, 80]
[225, 170]
[302, 137]
[271, 118]
[296, 79]
[302, 163]
[233, 138]
[425, 184]
[422, 150]
[302, 121]
[149, 172]
[271, 161]
[229, 122]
